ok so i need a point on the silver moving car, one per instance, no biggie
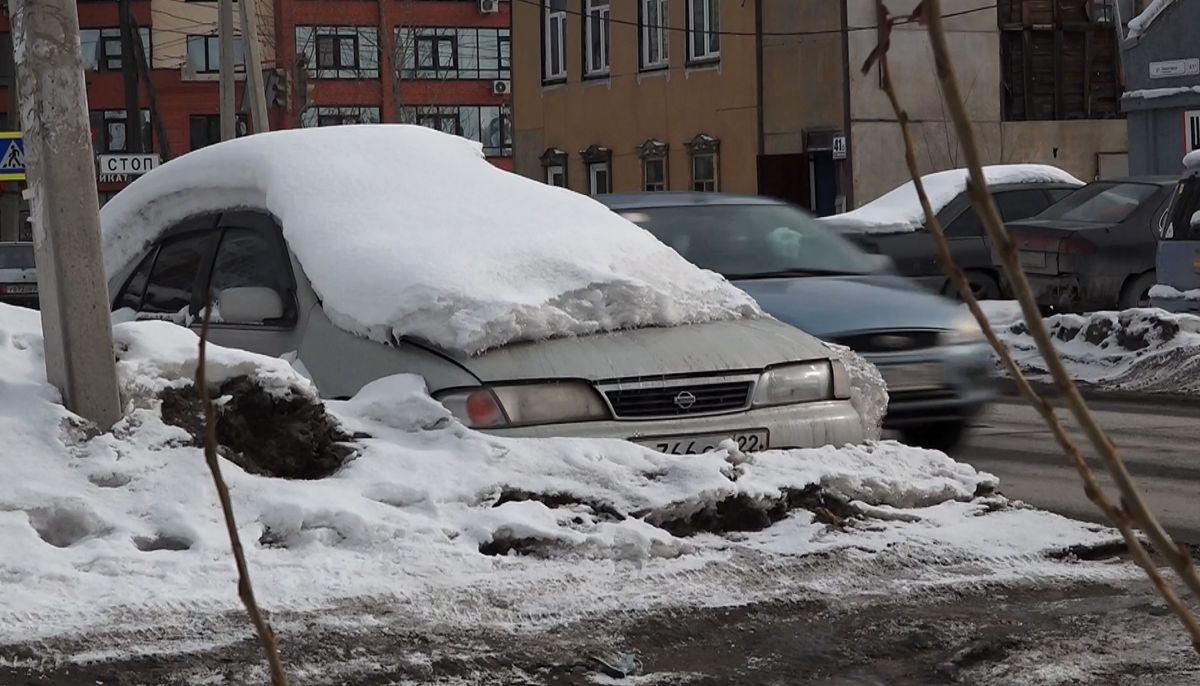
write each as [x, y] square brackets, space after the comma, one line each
[18, 275]
[930, 351]
[681, 389]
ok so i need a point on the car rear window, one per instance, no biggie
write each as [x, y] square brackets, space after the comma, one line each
[1101, 202]
[16, 257]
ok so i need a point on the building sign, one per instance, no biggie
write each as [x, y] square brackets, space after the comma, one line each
[12, 156]
[1173, 68]
[127, 165]
[839, 147]
[1191, 131]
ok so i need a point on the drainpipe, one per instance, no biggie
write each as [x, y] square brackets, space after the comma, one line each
[848, 191]
[758, 66]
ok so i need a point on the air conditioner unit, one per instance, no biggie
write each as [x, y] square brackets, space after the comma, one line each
[489, 6]
[501, 87]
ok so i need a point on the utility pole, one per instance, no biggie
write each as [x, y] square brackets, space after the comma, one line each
[76, 325]
[10, 202]
[129, 72]
[225, 37]
[254, 72]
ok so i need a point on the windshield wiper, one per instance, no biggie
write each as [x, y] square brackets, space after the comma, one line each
[785, 273]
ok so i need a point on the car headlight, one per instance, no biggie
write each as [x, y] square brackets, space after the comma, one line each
[795, 383]
[966, 330]
[489, 407]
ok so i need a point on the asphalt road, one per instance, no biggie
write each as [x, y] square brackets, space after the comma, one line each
[1159, 439]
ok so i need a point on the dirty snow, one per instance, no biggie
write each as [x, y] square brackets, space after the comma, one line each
[1141, 23]
[121, 531]
[1151, 93]
[471, 257]
[900, 210]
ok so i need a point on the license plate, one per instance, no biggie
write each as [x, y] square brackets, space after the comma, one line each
[1033, 259]
[749, 441]
[19, 288]
[911, 377]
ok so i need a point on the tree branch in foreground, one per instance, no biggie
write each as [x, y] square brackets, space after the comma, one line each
[266, 637]
[1121, 517]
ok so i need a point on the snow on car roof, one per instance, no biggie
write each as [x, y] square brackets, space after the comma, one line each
[899, 210]
[406, 231]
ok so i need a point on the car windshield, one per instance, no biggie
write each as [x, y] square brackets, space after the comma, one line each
[1101, 202]
[752, 241]
[16, 257]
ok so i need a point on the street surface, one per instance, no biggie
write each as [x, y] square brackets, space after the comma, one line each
[1159, 439]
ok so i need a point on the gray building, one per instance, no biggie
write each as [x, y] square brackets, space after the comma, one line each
[1161, 55]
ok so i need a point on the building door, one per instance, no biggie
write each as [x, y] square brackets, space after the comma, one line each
[824, 183]
[784, 177]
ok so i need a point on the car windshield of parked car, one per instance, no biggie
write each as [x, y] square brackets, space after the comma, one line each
[16, 257]
[752, 241]
[1101, 202]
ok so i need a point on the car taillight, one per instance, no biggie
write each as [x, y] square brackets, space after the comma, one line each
[483, 410]
[1037, 243]
[1076, 246]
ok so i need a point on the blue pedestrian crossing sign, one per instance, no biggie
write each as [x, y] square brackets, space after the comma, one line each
[12, 156]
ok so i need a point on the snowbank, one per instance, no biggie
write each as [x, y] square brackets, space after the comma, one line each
[1141, 23]
[406, 231]
[121, 531]
[899, 210]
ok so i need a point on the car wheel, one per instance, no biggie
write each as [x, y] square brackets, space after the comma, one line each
[943, 436]
[983, 287]
[1136, 292]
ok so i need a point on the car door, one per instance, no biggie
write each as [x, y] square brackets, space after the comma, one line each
[1178, 260]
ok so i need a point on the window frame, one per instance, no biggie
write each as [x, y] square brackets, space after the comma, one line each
[212, 51]
[552, 170]
[597, 18]
[366, 56]
[554, 22]
[659, 186]
[708, 31]
[109, 117]
[647, 33]
[413, 114]
[213, 121]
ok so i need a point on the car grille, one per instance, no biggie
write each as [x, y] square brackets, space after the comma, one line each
[679, 400]
[889, 341]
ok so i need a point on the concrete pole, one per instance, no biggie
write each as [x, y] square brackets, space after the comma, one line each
[225, 36]
[66, 222]
[10, 202]
[254, 70]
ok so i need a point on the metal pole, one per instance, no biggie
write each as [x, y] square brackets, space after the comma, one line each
[254, 72]
[225, 36]
[61, 172]
[129, 72]
[10, 202]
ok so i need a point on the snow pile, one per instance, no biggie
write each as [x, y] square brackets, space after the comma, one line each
[1164, 292]
[1139, 350]
[1151, 93]
[899, 210]
[406, 231]
[1141, 23]
[121, 531]
[1191, 160]
[868, 390]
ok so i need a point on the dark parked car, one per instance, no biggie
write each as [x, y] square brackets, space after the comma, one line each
[929, 349]
[18, 277]
[912, 247]
[1095, 249]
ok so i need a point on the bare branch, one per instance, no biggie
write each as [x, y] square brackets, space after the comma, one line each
[266, 637]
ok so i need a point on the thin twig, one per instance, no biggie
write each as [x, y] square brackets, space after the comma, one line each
[1133, 509]
[266, 637]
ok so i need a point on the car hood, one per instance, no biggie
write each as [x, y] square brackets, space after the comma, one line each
[831, 306]
[712, 348]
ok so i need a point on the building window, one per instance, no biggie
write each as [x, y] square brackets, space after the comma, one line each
[704, 30]
[554, 40]
[703, 151]
[336, 116]
[101, 48]
[653, 29]
[1058, 60]
[487, 124]
[204, 54]
[205, 129]
[454, 53]
[554, 166]
[597, 161]
[339, 52]
[109, 131]
[596, 37]
[653, 154]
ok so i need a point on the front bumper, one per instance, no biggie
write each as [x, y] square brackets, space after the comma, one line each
[965, 389]
[805, 425]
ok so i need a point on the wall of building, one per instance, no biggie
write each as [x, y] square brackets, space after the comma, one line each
[627, 108]
[802, 74]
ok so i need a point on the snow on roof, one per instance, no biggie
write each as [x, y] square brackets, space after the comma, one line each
[1192, 159]
[1141, 23]
[1151, 93]
[899, 210]
[404, 230]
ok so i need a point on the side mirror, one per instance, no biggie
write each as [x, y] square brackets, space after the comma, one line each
[249, 305]
[1195, 224]
[883, 264]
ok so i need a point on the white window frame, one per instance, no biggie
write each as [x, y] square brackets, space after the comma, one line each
[597, 24]
[593, 187]
[707, 9]
[554, 22]
[654, 35]
[559, 171]
[1191, 131]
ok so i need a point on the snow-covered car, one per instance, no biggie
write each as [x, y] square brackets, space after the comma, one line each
[362, 252]
[18, 275]
[894, 223]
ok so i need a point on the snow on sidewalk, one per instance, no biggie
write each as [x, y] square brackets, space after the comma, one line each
[123, 529]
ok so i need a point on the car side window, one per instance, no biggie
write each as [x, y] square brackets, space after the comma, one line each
[131, 295]
[1057, 194]
[965, 225]
[1015, 205]
[173, 279]
[253, 258]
